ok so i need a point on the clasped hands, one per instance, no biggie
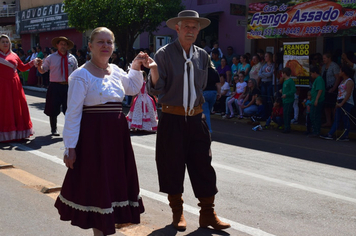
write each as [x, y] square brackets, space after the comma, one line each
[143, 59]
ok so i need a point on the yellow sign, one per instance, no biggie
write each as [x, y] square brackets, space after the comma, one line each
[296, 49]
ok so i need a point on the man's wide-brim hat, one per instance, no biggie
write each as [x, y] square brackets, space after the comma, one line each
[188, 15]
[56, 40]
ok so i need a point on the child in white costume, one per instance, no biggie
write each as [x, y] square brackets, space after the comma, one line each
[143, 112]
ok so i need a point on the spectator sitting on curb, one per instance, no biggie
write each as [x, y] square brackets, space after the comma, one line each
[277, 114]
[240, 89]
[248, 104]
[219, 106]
[260, 114]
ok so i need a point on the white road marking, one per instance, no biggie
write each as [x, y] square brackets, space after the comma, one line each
[44, 121]
[195, 211]
[152, 195]
[273, 180]
[39, 153]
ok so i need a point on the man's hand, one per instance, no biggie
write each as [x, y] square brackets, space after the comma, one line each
[149, 63]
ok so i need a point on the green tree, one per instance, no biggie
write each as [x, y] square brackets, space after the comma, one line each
[126, 18]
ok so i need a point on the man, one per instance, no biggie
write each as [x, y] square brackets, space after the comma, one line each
[317, 100]
[215, 58]
[60, 64]
[216, 46]
[183, 138]
[204, 46]
[4, 8]
[288, 92]
[230, 55]
[39, 75]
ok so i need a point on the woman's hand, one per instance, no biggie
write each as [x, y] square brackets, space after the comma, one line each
[70, 158]
[139, 60]
[37, 62]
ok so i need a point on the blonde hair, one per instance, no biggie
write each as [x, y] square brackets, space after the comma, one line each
[99, 30]
[8, 38]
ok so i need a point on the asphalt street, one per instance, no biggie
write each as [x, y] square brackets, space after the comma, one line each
[269, 183]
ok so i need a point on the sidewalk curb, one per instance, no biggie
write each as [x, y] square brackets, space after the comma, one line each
[32, 88]
[298, 127]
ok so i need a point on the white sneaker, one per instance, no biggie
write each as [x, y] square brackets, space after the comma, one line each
[293, 121]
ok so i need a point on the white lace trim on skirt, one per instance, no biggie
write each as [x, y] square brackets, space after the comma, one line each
[98, 209]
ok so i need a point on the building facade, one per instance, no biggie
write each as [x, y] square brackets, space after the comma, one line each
[38, 21]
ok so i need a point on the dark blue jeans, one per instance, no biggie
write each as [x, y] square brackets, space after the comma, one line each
[287, 115]
[267, 94]
[315, 117]
[210, 99]
[277, 119]
[341, 116]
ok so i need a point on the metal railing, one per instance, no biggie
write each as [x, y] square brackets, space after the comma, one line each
[9, 12]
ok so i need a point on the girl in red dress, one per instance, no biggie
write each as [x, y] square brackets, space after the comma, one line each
[15, 122]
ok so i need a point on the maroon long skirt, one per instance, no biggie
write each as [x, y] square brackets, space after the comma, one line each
[103, 187]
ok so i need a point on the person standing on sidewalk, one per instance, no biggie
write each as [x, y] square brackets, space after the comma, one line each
[344, 104]
[288, 92]
[183, 137]
[317, 100]
[60, 64]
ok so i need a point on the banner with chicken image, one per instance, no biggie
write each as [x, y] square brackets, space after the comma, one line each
[296, 57]
[301, 18]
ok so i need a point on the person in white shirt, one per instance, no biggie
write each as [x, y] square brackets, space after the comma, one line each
[216, 46]
[60, 64]
[4, 8]
[99, 155]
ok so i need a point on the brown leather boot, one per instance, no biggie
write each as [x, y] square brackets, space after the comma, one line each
[176, 203]
[208, 216]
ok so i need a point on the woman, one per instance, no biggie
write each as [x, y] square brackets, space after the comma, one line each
[99, 155]
[344, 104]
[80, 57]
[211, 92]
[219, 106]
[224, 68]
[255, 68]
[235, 65]
[266, 74]
[15, 122]
[329, 72]
[238, 94]
[32, 76]
[248, 104]
[244, 66]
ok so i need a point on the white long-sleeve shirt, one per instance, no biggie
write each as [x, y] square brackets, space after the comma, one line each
[86, 89]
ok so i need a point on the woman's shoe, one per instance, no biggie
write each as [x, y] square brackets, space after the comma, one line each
[231, 116]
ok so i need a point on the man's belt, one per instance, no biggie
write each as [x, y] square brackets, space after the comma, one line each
[64, 83]
[179, 110]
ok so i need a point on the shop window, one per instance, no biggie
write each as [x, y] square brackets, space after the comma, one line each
[206, 2]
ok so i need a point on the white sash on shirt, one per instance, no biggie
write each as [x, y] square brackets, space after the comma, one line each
[193, 96]
[7, 63]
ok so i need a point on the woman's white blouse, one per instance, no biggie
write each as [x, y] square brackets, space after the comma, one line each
[86, 89]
